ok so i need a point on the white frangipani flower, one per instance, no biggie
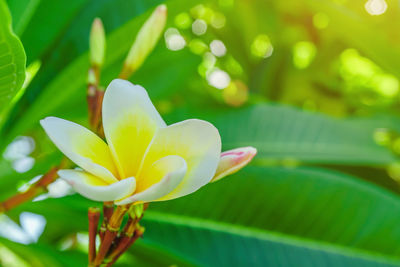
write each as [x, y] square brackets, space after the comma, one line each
[144, 159]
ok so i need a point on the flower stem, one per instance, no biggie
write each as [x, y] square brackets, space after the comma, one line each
[108, 208]
[131, 232]
[95, 99]
[126, 72]
[110, 234]
[125, 242]
[93, 216]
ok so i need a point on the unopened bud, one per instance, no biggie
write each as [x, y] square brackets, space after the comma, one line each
[92, 79]
[97, 43]
[136, 211]
[233, 160]
[146, 40]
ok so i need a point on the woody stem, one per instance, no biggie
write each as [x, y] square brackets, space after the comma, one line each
[95, 99]
[125, 242]
[131, 232]
[108, 208]
[93, 216]
[110, 234]
[39, 187]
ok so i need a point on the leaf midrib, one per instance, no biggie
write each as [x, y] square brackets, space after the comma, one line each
[252, 232]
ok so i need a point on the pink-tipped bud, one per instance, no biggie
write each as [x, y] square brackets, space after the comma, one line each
[233, 160]
[97, 43]
[146, 40]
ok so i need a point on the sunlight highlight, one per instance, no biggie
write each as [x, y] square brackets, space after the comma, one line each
[174, 40]
[219, 79]
[376, 7]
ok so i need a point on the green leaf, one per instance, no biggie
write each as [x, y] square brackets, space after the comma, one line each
[39, 255]
[212, 243]
[22, 12]
[288, 134]
[303, 214]
[12, 60]
[47, 18]
[308, 203]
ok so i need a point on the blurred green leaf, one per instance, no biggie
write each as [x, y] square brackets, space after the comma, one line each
[287, 135]
[336, 217]
[39, 255]
[12, 60]
[22, 12]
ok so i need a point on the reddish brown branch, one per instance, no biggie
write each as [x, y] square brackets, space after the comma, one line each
[95, 99]
[124, 243]
[39, 187]
[108, 208]
[124, 238]
[110, 234]
[131, 232]
[93, 216]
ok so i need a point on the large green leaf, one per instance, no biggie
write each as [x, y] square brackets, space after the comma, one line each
[333, 216]
[12, 60]
[212, 243]
[284, 133]
[315, 204]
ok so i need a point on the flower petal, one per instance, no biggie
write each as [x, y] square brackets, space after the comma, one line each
[197, 142]
[83, 147]
[130, 121]
[233, 160]
[95, 188]
[159, 180]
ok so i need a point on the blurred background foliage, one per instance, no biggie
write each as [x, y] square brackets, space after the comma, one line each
[312, 84]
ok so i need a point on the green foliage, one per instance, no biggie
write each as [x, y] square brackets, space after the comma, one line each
[314, 87]
[289, 135]
[12, 61]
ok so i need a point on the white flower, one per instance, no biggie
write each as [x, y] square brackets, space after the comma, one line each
[144, 159]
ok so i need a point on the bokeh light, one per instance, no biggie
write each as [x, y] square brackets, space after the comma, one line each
[365, 78]
[236, 94]
[218, 20]
[174, 40]
[218, 48]
[218, 79]
[261, 46]
[303, 54]
[376, 7]
[183, 20]
[198, 46]
[199, 27]
[320, 20]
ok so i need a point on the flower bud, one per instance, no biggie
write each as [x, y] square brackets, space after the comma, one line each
[97, 43]
[233, 160]
[146, 40]
[136, 211]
